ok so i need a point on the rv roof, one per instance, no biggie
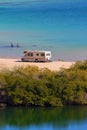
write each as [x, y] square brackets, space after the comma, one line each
[35, 51]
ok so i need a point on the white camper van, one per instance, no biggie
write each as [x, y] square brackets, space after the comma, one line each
[36, 56]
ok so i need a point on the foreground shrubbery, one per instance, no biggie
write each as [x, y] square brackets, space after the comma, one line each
[31, 86]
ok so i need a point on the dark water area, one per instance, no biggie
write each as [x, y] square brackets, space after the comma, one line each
[67, 118]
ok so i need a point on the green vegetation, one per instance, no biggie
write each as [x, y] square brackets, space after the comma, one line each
[31, 86]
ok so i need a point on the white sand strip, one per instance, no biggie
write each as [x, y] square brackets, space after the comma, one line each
[54, 66]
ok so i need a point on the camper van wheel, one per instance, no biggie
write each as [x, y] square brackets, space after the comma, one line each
[36, 60]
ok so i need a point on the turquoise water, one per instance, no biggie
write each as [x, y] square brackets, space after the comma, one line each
[44, 25]
[68, 118]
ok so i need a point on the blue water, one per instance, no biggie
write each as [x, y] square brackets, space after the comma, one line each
[68, 118]
[58, 26]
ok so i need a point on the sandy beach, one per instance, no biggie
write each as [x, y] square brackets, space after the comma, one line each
[54, 65]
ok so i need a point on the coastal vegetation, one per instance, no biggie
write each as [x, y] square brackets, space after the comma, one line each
[31, 86]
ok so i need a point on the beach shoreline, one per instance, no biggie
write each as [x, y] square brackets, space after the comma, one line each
[10, 63]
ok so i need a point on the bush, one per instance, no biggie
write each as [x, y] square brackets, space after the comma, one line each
[31, 86]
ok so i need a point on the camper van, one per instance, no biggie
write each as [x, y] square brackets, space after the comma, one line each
[36, 56]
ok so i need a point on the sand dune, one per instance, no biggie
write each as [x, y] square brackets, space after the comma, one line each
[54, 66]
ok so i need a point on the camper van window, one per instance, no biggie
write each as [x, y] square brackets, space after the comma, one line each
[37, 54]
[42, 54]
[30, 54]
[48, 54]
[25, 54]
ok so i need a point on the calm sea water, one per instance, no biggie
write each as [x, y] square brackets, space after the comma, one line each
[44, 25]
[68, 118]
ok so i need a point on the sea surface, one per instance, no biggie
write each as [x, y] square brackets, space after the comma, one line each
[67, 118]
[56, 25]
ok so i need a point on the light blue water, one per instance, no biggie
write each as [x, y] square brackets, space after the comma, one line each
[44, 25]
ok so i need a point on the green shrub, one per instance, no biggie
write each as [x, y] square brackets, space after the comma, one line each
[31, 86]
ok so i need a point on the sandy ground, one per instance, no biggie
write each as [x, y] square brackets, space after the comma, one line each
[54, 65]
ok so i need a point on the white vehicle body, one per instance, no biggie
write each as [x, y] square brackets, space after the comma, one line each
[37, 56]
